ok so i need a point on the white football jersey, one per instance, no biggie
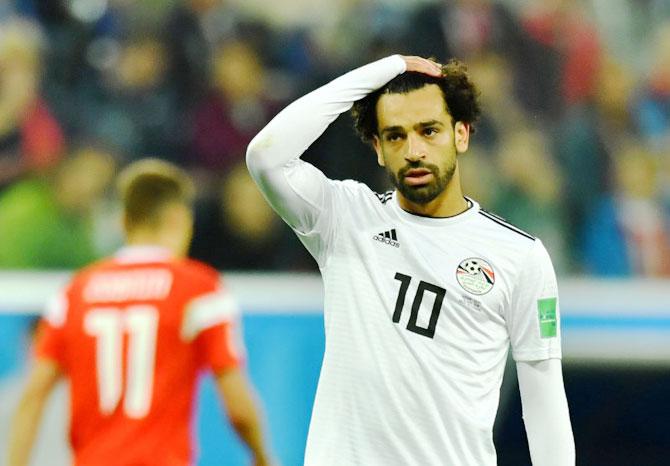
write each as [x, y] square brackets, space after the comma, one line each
[419, 312]
[419, 315]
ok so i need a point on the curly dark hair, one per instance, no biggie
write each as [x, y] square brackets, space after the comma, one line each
[461, 97]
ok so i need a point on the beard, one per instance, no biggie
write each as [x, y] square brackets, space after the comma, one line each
[422, 194]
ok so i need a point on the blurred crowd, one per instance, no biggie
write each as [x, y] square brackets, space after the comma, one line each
[573, 146]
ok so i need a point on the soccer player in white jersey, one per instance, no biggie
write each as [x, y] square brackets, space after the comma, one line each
[424, 291]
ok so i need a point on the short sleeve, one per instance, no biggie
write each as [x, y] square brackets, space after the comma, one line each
[309, 211]
[220, 347]
[50, 341]
[338, 199]
[533, 319]
[211, 325]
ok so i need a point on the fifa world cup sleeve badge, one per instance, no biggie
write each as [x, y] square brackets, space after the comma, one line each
[546, 310]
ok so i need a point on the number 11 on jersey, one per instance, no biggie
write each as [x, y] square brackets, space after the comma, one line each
[109, 325]
[412, 324]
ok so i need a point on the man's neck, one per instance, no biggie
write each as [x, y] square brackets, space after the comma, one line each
[143, 238]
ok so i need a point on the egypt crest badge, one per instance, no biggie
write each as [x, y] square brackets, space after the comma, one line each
[475, 276]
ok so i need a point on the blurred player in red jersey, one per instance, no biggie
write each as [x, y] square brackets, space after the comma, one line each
[132, 332]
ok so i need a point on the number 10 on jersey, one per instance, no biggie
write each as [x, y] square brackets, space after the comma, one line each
[424, 287]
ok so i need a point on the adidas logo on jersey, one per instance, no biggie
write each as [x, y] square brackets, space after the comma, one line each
[384, 197]
[388, 237]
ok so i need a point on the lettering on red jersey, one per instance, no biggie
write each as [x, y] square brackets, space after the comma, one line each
[129, 285]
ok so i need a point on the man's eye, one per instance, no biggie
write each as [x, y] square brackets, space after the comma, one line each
[430, 131]
[392, 137]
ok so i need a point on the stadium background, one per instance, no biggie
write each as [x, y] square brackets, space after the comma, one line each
[574, 147]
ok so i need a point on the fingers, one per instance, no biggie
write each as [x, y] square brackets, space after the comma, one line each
[423, 65]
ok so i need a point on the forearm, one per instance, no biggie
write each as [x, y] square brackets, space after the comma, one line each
[545, 413]
[243, 412]
[23, 430]
[296, 127]
[295, 189]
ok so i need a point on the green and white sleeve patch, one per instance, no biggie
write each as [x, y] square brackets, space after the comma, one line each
[546, 310]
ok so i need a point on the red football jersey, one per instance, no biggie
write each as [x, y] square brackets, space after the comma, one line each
[131, 334]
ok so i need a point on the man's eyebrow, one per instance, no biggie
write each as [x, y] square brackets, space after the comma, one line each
[425, 124]
[390, 129]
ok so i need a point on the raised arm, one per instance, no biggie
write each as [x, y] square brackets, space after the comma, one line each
[545, 413]
[296, 189]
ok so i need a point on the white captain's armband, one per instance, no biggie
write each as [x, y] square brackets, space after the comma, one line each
[55, 311]
[207, 311]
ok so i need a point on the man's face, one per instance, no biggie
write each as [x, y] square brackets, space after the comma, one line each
[417, 142]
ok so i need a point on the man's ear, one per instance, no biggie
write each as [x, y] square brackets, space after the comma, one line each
[377, 145]
[461, 136]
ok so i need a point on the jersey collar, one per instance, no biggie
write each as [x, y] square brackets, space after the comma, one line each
[473, 208]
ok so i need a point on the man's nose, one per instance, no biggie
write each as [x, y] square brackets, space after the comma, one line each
[416, 149]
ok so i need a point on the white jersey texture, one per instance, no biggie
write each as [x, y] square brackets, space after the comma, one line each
[419, 312]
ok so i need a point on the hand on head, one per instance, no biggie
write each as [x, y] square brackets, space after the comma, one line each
[423, 65]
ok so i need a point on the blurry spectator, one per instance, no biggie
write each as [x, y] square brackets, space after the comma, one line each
[188, 49]
[627, 232]
[235, 108]
[462, 29]
[563, 27]
[238, 230]
[78, 35]
[585, 139]
[529, 193]
[467, 28]
[502, 113]
[46, 219]
[623, 27]
[613, 100]
[192, 30]
[138, 113]
[30, 137]
[664, 180]
[653, 106]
